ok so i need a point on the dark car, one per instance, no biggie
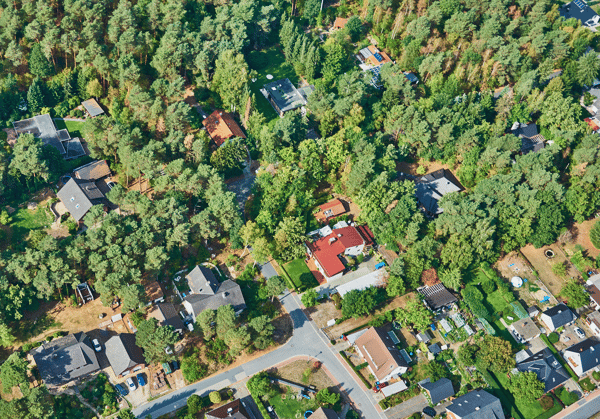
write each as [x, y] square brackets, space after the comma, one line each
[175, 365]
[141, 380]
[429, 411]
[122, 390]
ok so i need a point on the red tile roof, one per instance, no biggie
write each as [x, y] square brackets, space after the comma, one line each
[335, 206]
[339, 23]
[221, 126]
[594, 293]
[592, 124]
[327, 249]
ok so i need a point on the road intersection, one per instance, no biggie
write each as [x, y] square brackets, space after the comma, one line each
[306, 341]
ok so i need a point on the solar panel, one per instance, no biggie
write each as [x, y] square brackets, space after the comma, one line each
[579, 4]
[378, 57]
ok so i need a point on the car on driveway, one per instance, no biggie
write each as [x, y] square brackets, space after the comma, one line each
[111, 184]
[580, 334]
[131, 384]
[122, 390]
[429, 411]
[141, 380]
[97, 346]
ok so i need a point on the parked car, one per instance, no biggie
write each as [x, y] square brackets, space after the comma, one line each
[429, 411]
[141, 380]
[97, 346]
[122, 390]
[111, 184]
[580, 334]
[175, 365]
[131, 384]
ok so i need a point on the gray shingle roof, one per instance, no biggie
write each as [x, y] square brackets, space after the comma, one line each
[123, 353]
[65, 359]
[431, 187]
[285, 95]
[559, 315]
[477, 404]
[79, 196]
[202, 281]
[166, 315]
[228, 292]
[581, 11]
[42, 127]
[547, 368]
[92, 171]
[93, 108]
[437, 296]
[439, 390]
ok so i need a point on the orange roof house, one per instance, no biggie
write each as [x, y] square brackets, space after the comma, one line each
[329, 210]
[339, 23]
[373, 56]
[221, 127]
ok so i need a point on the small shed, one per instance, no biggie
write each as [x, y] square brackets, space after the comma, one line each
[92, 107]
[394, 388]
[435, 349]
[445, 325]
[533, 311]
[85, 292]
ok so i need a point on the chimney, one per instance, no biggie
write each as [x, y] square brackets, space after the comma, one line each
[230, 411]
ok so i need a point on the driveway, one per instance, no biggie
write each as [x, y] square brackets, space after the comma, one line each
[267, 270]
[414, 405]
[306, 341]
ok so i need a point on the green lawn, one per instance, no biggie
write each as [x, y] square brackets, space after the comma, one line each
[279, 69]
[24, 221]
[587, 384]
[291, 408]
[75, 127]
[301, 276]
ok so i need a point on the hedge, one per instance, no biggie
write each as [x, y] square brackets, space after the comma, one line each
[261, 406]
[361, 366]
[289, 281]
[363, 379]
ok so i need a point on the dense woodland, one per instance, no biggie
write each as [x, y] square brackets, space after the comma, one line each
[138, 57]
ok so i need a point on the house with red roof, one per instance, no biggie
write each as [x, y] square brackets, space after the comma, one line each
[221, 127]
[339, 23]
[329, 210]
[327, 251]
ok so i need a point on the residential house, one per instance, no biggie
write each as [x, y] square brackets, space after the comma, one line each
[593, 288]
[430, 188]
[92, 107]
[583, 356]
[233, 410]
[424, 337]
[531, 140]
[376, 347]
[324, 413]
[154, 292]
[437, 296]
[330, 210]
[124, 356]
[579, 10]
[83, 190]
[339, 23]
[411, 77]
[221, 126]
[65, 359]
[371, 57]
[434, 349]
[42, 127]
[593, 320]
[476, 404]
[558, 316]
[524, 330]
[166, 315]
[284, 96]
[348, 241]
[547, 368]
[438, 390]
[207, 293]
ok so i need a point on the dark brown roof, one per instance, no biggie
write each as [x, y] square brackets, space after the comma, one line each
[153, 291]
[221, 126]
[233, 410]
[322, 413]
[166, 315]
[93, 171]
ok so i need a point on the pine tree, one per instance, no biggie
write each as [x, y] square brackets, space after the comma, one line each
[595, 235]
[588, 67]
[38, 63]
[35, 96]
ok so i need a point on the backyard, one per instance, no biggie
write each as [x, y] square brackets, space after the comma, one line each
[289, 405]
[269, 61]
[300, 275]
[75, 128]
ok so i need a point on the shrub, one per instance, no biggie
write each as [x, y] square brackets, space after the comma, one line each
[360, 259]
[546, 402]
[215, 397]
[596, 375]
[595, 235]
[553, 337]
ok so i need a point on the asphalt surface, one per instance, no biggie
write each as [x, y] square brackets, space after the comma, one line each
[306, 341]
[267, 270]
[585, 411]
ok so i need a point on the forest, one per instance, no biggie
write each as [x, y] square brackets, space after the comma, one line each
[142, 59]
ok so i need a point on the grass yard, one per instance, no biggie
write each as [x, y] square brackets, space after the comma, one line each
[586, 384]
[75, 127]
[269, 61]
[24, 221]
[288, 406]
[301, 276]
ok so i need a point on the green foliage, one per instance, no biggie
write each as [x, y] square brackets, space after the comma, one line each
[559, 269]
[326, 398]
[526, 386]
[474, 299]
[575, 294]
[310, 298]
[361, 303]
[595, 235]
[259, 385]
[13, 372]
[415, 315]
[495, 354]
[154, 339]
[191, 367]
[215, 397]
[553, 337]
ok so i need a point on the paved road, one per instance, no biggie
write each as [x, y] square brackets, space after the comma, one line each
[414, 405]
[306, 341]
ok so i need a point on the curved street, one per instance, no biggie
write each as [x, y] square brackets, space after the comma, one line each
[306, 341]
